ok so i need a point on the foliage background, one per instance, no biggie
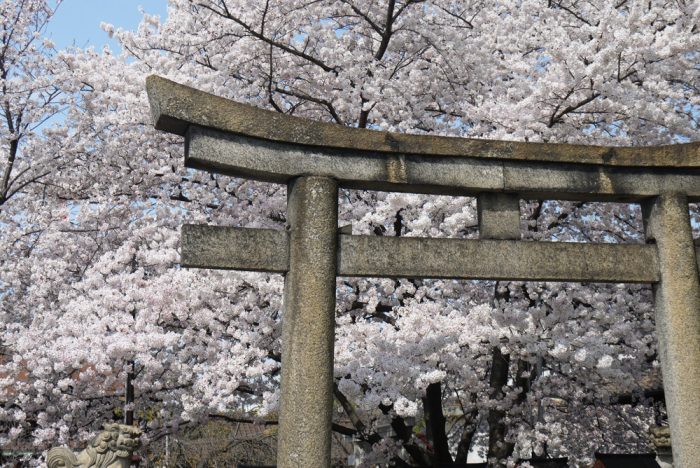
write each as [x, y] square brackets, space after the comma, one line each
[92, 199]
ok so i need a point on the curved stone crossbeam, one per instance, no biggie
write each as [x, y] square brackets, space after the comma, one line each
[244, 141]
[175, 107]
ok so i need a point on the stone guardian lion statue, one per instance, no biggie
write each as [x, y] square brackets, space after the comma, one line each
[112, 448]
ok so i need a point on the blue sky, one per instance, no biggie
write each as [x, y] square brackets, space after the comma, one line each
[77, 22]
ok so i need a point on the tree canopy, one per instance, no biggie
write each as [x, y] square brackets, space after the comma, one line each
[92, 197]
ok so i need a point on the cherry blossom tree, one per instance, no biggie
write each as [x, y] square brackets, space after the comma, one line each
[426, 371]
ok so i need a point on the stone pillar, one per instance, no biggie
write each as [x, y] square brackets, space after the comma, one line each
[499, 216]
[677, 300]
[308, 325]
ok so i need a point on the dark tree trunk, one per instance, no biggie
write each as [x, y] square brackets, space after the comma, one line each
[498, 448]
[435, 424]
[403, 432]
[471, 423]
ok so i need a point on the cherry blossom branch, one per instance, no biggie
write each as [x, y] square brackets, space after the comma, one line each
[291, 50]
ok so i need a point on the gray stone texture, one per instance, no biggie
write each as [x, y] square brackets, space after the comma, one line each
[111, 448]
[230, 248]
[600, 183]
[276, 162]
[273, 161]
[174, 107]
[415, 257]
[499, 216]
[419, 257]
[677, 297]
[308, 325]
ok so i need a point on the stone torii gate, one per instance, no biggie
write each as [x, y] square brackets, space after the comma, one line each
[314, 159]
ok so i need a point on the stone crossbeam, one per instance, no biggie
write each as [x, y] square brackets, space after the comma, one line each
[270, 161]
[228, 248]
[244, 141]
[415, 257]
[175, 107]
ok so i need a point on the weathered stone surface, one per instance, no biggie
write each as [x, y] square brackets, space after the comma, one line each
[499, 216]
[418, 257]
[276, 162]
[308, 325]
[660, 437]
[112, 448]
[271, 161]
[174, 107]
[234, 248]
[677, 297]
[415, 257]
[585, 182]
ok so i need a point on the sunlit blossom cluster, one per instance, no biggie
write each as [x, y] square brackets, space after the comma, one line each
[92, 199]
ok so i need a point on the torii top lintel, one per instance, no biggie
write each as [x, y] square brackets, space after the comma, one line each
[241, 140]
